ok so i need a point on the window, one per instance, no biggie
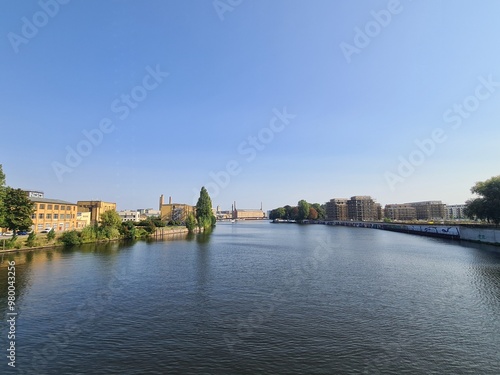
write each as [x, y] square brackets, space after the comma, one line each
[33, 216]
[39, 227]
[40, 216]
[56, 207]
[56, 216]
[41, 206]
[68, 216]
[49, 207]
[48, 216]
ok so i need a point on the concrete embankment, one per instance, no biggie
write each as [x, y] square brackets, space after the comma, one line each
[455, 232]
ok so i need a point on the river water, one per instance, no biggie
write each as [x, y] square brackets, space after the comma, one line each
[258, 298]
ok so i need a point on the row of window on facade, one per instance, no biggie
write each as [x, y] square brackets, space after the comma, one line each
[53, 216]
[55, 207]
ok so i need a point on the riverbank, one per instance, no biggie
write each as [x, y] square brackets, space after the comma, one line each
[478, 234]
[160, 234]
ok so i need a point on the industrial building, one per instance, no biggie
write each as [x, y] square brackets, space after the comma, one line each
[96, 209]
[248, 214]
[52, 213]
[174, 211]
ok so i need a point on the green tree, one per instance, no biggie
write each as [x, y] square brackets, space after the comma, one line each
[2, 196]
[303, 207]
[487, 205]
[17, 209]
[191, 223]
[204, 214]
[320, 209]
[111, 219]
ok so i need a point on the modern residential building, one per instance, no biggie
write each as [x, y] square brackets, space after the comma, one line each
[96, 209]
[429, 210]
[336, 209]
[53, 213]
[129, 215]
[363, 208]
[403, 212]
[174, 211]
[456, 212]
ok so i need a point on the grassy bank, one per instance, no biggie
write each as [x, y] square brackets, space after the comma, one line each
[85, 236]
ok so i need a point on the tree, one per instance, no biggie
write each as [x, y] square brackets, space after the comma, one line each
[320, 209]
[17, 210]
[278, 213]
[303, 207]
[204, 214]
[2, 196]
[313, 214]
[487, 205]
[111, 219]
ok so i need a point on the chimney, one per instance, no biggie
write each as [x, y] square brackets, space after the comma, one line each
[161, 201]
[169, 200]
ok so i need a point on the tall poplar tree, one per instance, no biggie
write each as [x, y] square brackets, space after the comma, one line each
[204, 214]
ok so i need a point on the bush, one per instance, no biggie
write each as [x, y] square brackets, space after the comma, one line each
[71, 238]
[51, 235]
[191, 222]
[128, 230]
[31, 240]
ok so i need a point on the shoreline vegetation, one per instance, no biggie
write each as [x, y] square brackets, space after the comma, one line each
[22, 243]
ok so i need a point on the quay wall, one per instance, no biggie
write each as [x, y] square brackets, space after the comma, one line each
[455, 232]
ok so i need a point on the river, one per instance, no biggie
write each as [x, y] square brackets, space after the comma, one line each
[258, 298]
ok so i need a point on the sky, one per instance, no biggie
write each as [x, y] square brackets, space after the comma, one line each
[267, 101]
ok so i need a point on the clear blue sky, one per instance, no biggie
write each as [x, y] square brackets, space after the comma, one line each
[360, 102]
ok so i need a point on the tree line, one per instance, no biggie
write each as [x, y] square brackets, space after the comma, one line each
[302, 211]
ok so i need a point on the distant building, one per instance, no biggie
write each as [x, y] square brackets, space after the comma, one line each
[336, 209]
[96, 209]
[53, 213]
[248, 214]
[129, 215]
[148, 212]
[175, 211]
[82, 219]
[456, 212]
[429, 210]
[363, 208]
[403, 212]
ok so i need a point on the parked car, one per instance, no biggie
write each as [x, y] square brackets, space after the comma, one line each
[22, 233]
[46, 230]
[7, 233]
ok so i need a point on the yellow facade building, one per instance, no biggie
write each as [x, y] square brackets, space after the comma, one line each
[53, 213]
[175, 211]
[96, 209]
